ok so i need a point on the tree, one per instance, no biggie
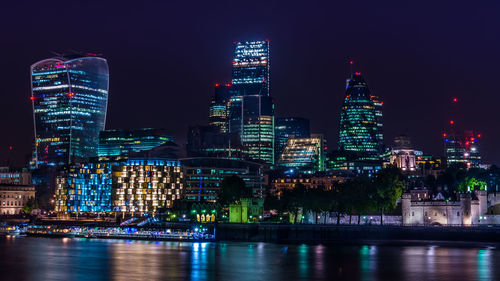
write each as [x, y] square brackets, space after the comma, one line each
[30, 206]
[293, 200]
[233, 188]
[387, 189]
[471, 183]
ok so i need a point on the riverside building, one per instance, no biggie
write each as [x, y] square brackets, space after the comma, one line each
[125, 186]
[14, 197]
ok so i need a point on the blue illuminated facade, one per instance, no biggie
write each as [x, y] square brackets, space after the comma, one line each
[121, 185]
[69, 97]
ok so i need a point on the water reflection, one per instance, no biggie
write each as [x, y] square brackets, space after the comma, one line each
[84, 259]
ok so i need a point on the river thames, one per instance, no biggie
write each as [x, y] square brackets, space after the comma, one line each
[26, 258]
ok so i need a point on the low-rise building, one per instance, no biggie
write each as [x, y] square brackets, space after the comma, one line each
[14, 197]
[247, 210]
[324, 181]
[466, 211]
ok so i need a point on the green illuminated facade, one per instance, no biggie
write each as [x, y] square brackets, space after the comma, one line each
[122, 142]
[361, 120]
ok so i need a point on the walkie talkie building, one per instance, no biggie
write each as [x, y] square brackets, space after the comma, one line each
[69, 95]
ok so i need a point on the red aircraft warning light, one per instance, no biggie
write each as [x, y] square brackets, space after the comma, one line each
[444, 135]
[32, 98]
[452, 122]
[455, 100]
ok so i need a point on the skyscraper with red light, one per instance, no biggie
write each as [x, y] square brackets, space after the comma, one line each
[251, 109]
[361, 120]
[218, 111]
[69, 95]
[461, 146]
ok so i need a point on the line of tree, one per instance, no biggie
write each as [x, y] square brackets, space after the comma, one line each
[457, 178]
[359, 195]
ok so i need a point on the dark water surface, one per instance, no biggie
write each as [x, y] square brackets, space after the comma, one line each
[24, 258]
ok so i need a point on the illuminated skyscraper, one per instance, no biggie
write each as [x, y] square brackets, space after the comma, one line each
[218, 112]
[69, 96]
[287, 127]
[462, 148]
[251, 109]
[361, 120]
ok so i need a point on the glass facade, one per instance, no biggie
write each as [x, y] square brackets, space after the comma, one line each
[251, 109]
[204, 176]
[69, 97]
[361, 120]
[462, 149]
[306, 155]
[251, 68]
[287, 127]
[127, 186]
[218, 112]
[122, 142]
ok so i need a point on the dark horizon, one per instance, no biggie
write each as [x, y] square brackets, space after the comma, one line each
[164, 60]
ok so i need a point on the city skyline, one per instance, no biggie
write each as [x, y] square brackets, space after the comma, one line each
[419, 113]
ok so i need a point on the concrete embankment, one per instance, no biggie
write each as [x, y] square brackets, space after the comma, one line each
[352, 234]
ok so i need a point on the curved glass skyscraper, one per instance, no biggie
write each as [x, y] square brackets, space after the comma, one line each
[361, 120]
[69, 96]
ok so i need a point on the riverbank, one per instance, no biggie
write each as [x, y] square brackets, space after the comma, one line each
[325, 234]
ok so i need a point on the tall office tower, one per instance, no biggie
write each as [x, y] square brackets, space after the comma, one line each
[218, 112]
[360, 120]
[69, 95]
[462, 148]
[287, 127]
[251, 109]
[306, 155]
[123, 142]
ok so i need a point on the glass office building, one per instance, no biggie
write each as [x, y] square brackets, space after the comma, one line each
[69, 97]
[204, 175]
[218, 112]
[251, 68]
[361, 120]
[287, 127]
[123, 142]
[304, 155]
[251, 109]
[462, 148]
[124, 186]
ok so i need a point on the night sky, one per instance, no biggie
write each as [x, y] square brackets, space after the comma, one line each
[165, 56]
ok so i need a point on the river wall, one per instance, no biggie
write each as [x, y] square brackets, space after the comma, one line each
[313, 234]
